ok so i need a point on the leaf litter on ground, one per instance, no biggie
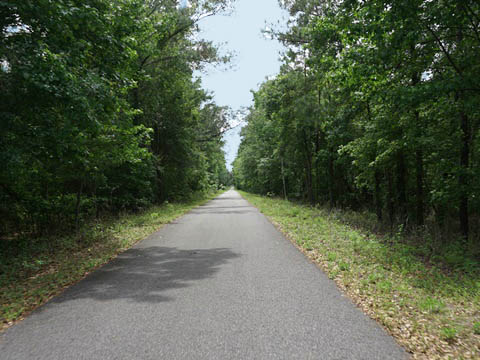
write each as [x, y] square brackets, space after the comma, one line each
[430, 310]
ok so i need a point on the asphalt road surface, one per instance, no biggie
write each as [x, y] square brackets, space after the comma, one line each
[219, 283]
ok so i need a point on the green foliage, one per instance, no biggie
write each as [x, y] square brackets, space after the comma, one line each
[374, 110]
[476, 328]
[331, 256]
[100, 111]
[419, 302]
[34, 270]
[343, 266]
[449, 333]
[432, 305]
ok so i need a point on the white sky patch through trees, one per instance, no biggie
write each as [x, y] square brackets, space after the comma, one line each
[255, 57]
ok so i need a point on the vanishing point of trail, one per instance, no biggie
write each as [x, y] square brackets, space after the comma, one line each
[219, 283]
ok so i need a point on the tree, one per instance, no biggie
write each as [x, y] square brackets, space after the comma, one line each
[375, 110]
[100, 110]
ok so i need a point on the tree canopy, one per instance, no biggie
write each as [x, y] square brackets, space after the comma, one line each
[376, 107]
[100, 109]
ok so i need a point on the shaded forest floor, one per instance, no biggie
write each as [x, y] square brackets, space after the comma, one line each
[431, 307]
[33, 270]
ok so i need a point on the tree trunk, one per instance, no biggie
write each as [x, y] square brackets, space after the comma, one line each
[390, 197]
[283, 181]
[464, 153]
[378, 195]
[308, 184]
[308, 169]
[420, 206]
[136, 105]
[463, 178]
[401, 187]
[77, 205]
[420, 199]
[331, 174]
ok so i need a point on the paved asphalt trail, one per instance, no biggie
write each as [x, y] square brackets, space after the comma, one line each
[219, 283]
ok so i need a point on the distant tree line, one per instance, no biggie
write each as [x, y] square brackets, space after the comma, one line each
[100, 110]
[376, 106]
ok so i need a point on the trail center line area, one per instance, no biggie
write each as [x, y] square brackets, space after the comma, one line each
[218, 283]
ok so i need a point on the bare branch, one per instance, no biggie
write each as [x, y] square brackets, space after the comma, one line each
[444, 50]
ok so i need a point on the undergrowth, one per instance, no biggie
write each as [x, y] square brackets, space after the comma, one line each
[33, 270]
[428, 299]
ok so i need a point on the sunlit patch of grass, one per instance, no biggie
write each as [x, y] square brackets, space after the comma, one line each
[32, 271]
[448, 333]
[476, 328]
[430, 304]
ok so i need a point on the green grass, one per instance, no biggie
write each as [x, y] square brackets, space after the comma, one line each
[431, 307]
[33, 270]
[448, 333]
[476, 328]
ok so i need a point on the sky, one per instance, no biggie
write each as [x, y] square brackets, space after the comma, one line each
[255, 57]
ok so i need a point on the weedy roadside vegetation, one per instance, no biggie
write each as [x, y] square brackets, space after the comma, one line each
[33, 270]
[427, 301]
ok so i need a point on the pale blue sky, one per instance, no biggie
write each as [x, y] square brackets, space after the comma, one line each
[255, 57]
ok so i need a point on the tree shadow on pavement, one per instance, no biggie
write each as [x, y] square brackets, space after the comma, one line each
[144, 274]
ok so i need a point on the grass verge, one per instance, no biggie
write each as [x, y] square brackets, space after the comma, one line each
[432, 311]
[32, 271]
